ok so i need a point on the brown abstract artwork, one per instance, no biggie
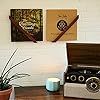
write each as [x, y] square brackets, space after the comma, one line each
[29, 20]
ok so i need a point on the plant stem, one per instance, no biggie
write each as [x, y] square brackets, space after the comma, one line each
[14, 66]
[8, 62]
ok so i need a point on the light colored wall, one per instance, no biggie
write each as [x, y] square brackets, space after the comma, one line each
[48, 59]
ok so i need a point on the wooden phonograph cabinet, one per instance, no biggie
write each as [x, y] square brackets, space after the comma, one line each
[82, 75]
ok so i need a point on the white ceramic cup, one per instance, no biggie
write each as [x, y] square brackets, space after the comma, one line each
[53, 84]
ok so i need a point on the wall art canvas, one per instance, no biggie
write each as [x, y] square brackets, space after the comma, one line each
[57, 20]
[29, 20]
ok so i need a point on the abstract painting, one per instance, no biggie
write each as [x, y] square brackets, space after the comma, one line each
[28, 20]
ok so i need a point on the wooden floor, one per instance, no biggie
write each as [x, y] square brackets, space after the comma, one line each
[39, 93]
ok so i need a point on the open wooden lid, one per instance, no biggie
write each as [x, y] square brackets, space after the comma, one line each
[83, 54]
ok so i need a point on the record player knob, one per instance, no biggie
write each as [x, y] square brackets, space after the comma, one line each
[73, 78]
[93, 84]
[81, 78]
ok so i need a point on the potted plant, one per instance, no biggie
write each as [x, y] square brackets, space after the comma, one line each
[5, 78]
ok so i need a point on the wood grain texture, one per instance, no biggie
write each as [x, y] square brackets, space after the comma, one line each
[83, 53]
[40, 93]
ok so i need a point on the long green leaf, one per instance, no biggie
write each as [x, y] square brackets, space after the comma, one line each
[15, 66]
[8, 62]
[16, 76]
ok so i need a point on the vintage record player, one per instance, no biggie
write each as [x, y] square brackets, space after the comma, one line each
[82, 76]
